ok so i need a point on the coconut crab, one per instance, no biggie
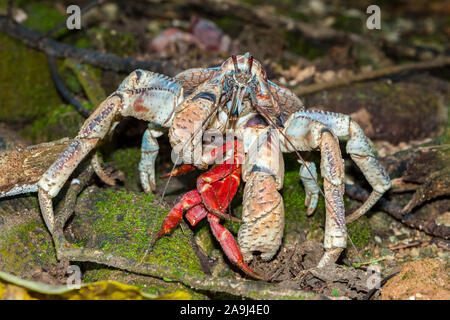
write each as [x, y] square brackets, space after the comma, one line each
[265, 120]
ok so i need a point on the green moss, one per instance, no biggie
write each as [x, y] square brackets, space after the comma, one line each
[127, 161]
[122, 223]
[26, 247]
[349, 23]
[360, 232]
[89, 78]
[230, 25]
[293, 194]
[26, 88]
[42, 17]
[62, 121]
[113, 41]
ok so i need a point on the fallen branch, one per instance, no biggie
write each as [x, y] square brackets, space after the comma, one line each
[62, 50]
[437, 184]
[428, 226]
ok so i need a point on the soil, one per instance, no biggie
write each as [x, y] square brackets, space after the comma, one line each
[426, 279]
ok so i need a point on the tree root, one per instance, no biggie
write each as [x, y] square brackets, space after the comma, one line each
[437, 184]
[65, 93]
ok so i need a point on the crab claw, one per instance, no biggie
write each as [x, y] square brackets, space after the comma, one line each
[230, 246]
[178, 171]
[173, 219]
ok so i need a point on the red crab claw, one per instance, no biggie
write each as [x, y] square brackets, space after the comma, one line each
[230, 246]
[208, 157]
[173, 219]
[219, 185]
[178, 171]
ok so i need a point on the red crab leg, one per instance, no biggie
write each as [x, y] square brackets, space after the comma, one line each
[229, 245]
[173, 219]
[196, 214]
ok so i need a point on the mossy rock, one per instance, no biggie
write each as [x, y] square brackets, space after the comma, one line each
[62, 121]
[117, 222]
[127, 161]
[122, 223]
[25, 245]
[27, 91]
[42, 17]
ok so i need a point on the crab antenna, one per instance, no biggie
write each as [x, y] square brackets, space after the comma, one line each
[235, 63]
[250, 64]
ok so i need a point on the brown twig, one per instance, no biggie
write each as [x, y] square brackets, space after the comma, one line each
[430, 227]
[92, 57]
[436, 63]
[409, 245]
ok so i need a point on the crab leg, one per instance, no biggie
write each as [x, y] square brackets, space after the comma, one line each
[310, 184]
[208, 157]
[229, 245]
[306, 134]
[149, 152]
[196, 214]
[360, 151]
[215, 189]
[143, 95]
[173, 219]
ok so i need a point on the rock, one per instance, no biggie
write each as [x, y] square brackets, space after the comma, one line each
[27, 91]
[117, 222]
[123, 223]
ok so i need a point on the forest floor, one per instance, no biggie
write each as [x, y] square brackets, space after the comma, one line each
[327, 56]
